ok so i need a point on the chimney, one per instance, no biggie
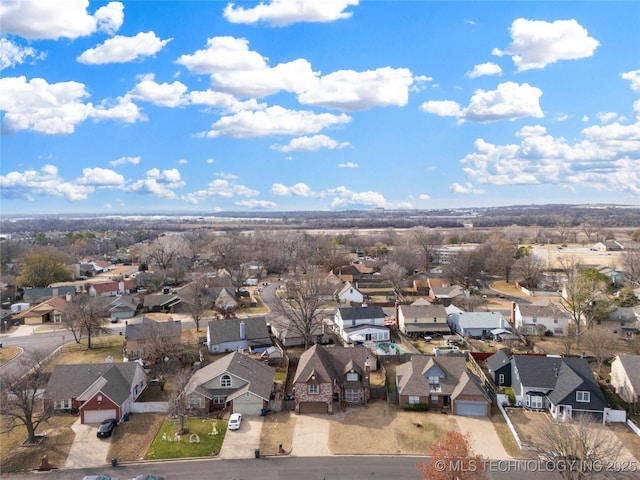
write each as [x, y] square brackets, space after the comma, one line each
[242, 330]
[67, 297]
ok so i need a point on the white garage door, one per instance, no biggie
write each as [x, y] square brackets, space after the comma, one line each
[471, 409]
[97, 416]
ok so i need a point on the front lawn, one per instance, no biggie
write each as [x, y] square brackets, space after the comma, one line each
[205, 438]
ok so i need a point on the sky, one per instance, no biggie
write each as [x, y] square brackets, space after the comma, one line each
[282, 105]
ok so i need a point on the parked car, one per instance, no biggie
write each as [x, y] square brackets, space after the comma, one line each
[105, 429]
[98, 477]
[147, 477]
[234, 421]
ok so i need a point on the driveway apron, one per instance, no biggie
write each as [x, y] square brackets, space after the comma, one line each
[484, 439]
[87, 450]
[242, 443]
[311, 436]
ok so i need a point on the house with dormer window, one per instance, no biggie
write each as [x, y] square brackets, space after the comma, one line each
[328, 375]
[442, 383]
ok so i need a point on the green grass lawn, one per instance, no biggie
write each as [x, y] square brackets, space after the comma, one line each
[199, 442]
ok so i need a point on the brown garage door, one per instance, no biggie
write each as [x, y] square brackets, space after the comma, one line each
[314, 407]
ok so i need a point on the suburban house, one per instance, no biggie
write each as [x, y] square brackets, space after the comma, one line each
[122, 307]
[160, 302]
[250, 334]
[442, 383]
[96, 391]
[361, 324]
[539, 319]
[562, 386]
[111, 289]
[499, 366]
[146, 338]
[234, 382]
[625, 378]
[608, 246]
[347, 293]
[289, 336]
[420, 320]
[52, 310]
[625, 321]
[33, 296]
[222, 297]
[331, 374]
[445, 294]
[477, 324]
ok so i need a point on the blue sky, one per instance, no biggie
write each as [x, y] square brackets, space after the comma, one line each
[205, 106]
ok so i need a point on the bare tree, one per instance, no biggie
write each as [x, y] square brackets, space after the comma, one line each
[301, 302]
[569, 340]
[85, 317]
[465, 266]
[631, 262]
[528, 269]
[581, 448]
[394, 273]
[428, 241]
[195, 297]
[165, 253]
[20, 401]
[179, 402]
[600, 343]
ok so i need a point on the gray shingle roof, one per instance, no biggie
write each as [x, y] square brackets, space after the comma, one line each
[497, 360]
[328, 364]
[423, 312]
[631, 365]
[228, 330]
[361, 313]
[411, 375]
[150, 328]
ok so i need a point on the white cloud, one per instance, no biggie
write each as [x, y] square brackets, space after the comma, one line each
[210, 161]
[164, 94]
[606, 117]
[159, 183]
[55, 108]
[424, 196]
[466, 188]
[343, 197]
[228, 176]
[483, 69]
[255, 204]
[536, 43]
[508, 102]
[348, 165]
[101, 177]
[350, 90]
[183, 161]
[46, 19]
[120, 49]
[125, 161]
[220, 188]
[634, 77]
[274, 120]
[311, 144]
[297, 190]
[607, 158]
[12, 54]
[636, 109]
[285, 12]
[442, 108]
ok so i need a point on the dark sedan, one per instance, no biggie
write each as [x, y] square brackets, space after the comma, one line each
[105, 429]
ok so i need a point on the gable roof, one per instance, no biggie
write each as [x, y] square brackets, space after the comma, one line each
[360, 313]
[550, 311]
[631, 365]
[71, 381]
[228, 330]
[146, 328]
[346, 287]
[478, 319]
[258, 375]
[329, 364]
[562, 375]
[33, 294]
[424, 313]
[161, 300]
[498, 360]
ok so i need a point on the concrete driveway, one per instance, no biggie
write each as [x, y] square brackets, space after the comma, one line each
[87, 450]
[242, 443]
[311, 436]
[484, 439]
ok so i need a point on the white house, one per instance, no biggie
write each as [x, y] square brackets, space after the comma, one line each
[348, 293]
[625, 377]
[476, 324]
[359, 324]
[538, 319]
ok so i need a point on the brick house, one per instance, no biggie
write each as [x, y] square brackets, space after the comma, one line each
[327, 375]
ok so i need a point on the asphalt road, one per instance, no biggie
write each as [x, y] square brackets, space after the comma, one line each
[290, 468]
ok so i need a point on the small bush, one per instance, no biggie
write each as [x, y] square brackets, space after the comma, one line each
[416, 407]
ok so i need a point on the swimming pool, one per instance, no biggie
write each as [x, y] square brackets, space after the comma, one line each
[389, 348]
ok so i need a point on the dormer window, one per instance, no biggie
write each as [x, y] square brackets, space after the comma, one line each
[313, 389]
[225, 381]
[434, 381]
[352, 377]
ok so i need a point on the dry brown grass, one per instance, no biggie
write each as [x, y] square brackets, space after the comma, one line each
[381, 428]
[277, 430]
[132, 439]
[506, 437]
[8, 353]
[528, 424]
[15, 457]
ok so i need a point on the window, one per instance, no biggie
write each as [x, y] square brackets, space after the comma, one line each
[555, 320]
[534, 402]
[352, 395]
[434, 381]
[435, 399]
[196, 402]
[219, 399]
[62, 404]
[313, 389]
[558, 330]
[352, 377]
[225, 381]
[534, 319]
[57, 318]
[501, 379]
[414, 399]
[583, 397]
